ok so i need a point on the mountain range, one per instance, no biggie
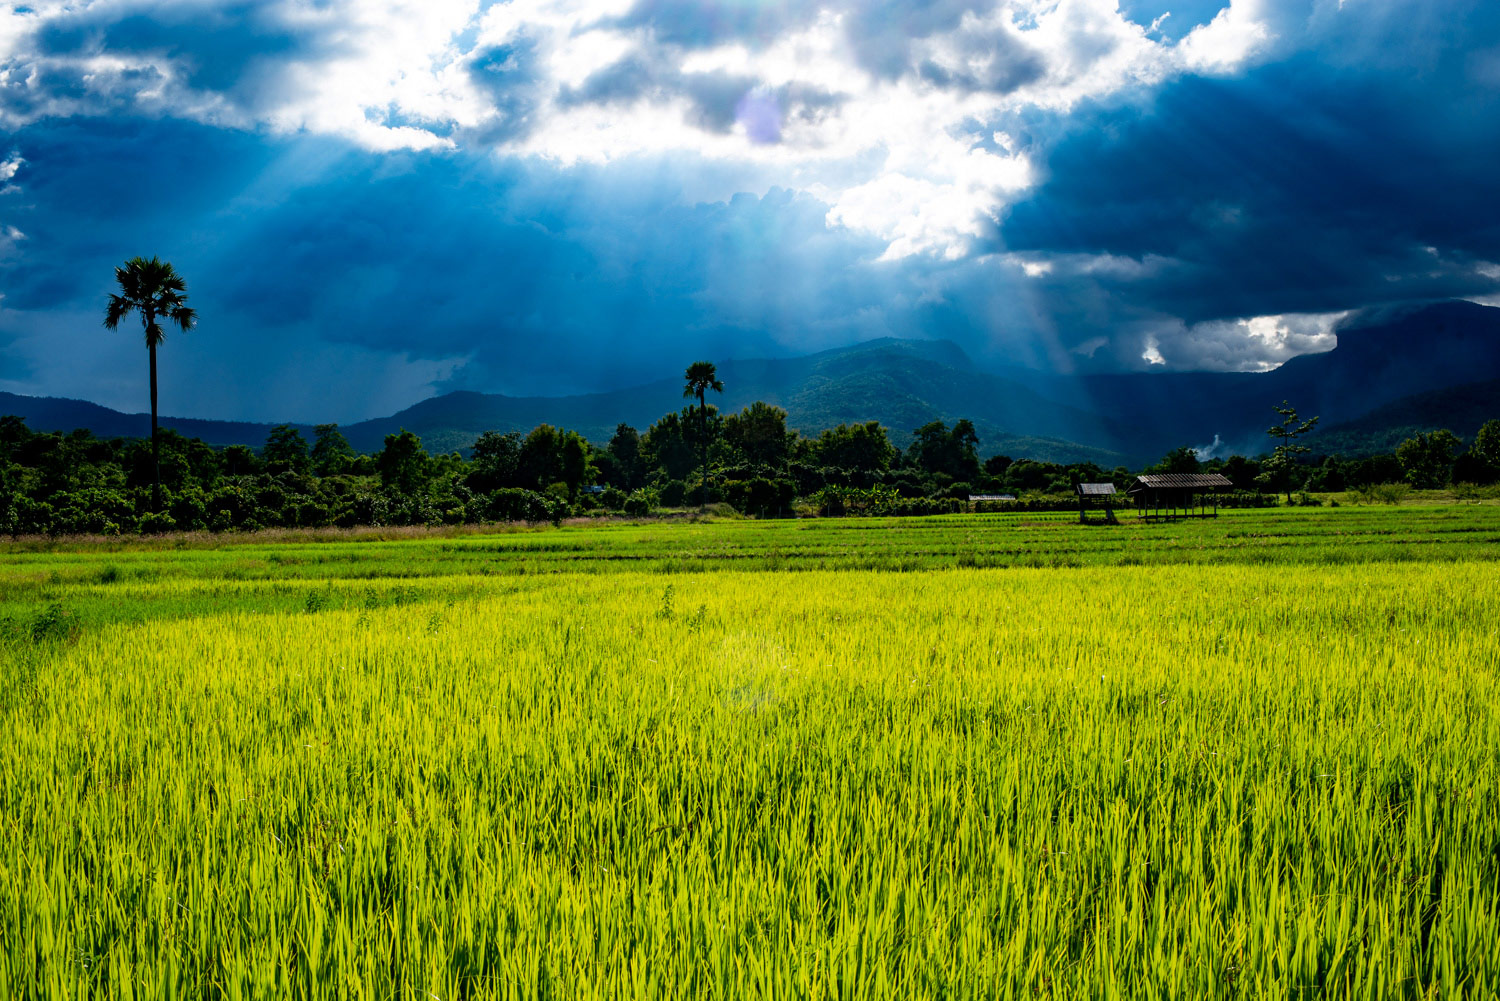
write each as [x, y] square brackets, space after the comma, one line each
[1392, 373]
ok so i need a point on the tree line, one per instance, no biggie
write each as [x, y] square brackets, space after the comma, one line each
[75, 483]
[750, 461]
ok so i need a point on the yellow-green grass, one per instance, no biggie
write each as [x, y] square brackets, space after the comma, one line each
[999, 541]
[1208, 781]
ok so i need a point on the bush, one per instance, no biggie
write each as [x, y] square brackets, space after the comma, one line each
[639, 503]
[719, 509]
[835, 501]
[672, 492]
[956, 491]
[1247, 498]
[928, 506]
[907, 487]
[761, 497]
[1378, 493]
[613, 498]
[1391, 493]
[29, 517]
[515, 504]
[154, 523]
[188, 509]
[359, 509]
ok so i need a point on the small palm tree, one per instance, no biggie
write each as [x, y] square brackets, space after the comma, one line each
[701, 377]
[155, 291]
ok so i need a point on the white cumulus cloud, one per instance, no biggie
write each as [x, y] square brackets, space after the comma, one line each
[894, 129]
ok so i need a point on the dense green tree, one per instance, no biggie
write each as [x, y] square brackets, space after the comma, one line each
[1328, 477]
[1371, 470]
[176, 462]
[700, 377]
[402, 464]
[996, 465]
[1481, 463]
[625, 449]
[155, 291]
[1278, 468]
[863, 448]
[239, 460]
[574, 463]
[539, 464]
[1487, 443]
[666, 445]
[286, 450]
[496, 462]
[1182, 459]
[760, 496]
[936, 448]
[1025, 474]
[759, 436]
[1240, 471]
[1427, 459]
[332, 454]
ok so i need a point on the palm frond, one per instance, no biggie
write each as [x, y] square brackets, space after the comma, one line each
[116, 311]
[155, 289]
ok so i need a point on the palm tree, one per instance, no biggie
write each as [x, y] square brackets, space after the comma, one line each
[701, 377]
[155, 291]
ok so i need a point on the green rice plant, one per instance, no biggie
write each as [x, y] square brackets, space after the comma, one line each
[1258, 764]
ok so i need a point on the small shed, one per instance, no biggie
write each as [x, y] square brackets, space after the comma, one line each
[1101, 496]
[1178, 495]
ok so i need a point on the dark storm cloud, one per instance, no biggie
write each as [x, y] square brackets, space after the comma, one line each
[703, 23]
[92, 193]
[991, 60]
[883, 35]
[545, 283]
[1350, 165]
[536, 280]
[716, 100]
[238, 51]
[1310, 184]
[883, 32]
[509, 76]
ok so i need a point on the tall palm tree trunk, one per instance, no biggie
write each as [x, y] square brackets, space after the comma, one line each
[155, 442]
[703, 448]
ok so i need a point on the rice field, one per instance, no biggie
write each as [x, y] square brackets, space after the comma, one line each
[964, 757]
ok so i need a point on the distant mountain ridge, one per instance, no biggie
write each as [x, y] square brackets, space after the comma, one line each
[1380, 359]
[900, 383]
[1460, 409]
[1389, 372]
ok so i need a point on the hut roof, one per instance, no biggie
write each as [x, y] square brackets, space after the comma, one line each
[1180, 481]
[1096, 489]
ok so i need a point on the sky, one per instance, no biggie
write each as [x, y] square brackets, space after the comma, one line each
[375, 202]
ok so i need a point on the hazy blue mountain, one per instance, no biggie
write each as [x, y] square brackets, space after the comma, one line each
[1380, 358]
[902, 384]
[1411, 369]
[1460, 409]
[49, 413]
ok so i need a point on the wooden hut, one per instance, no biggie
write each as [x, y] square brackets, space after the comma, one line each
[1178, 495]
[1101, 496]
